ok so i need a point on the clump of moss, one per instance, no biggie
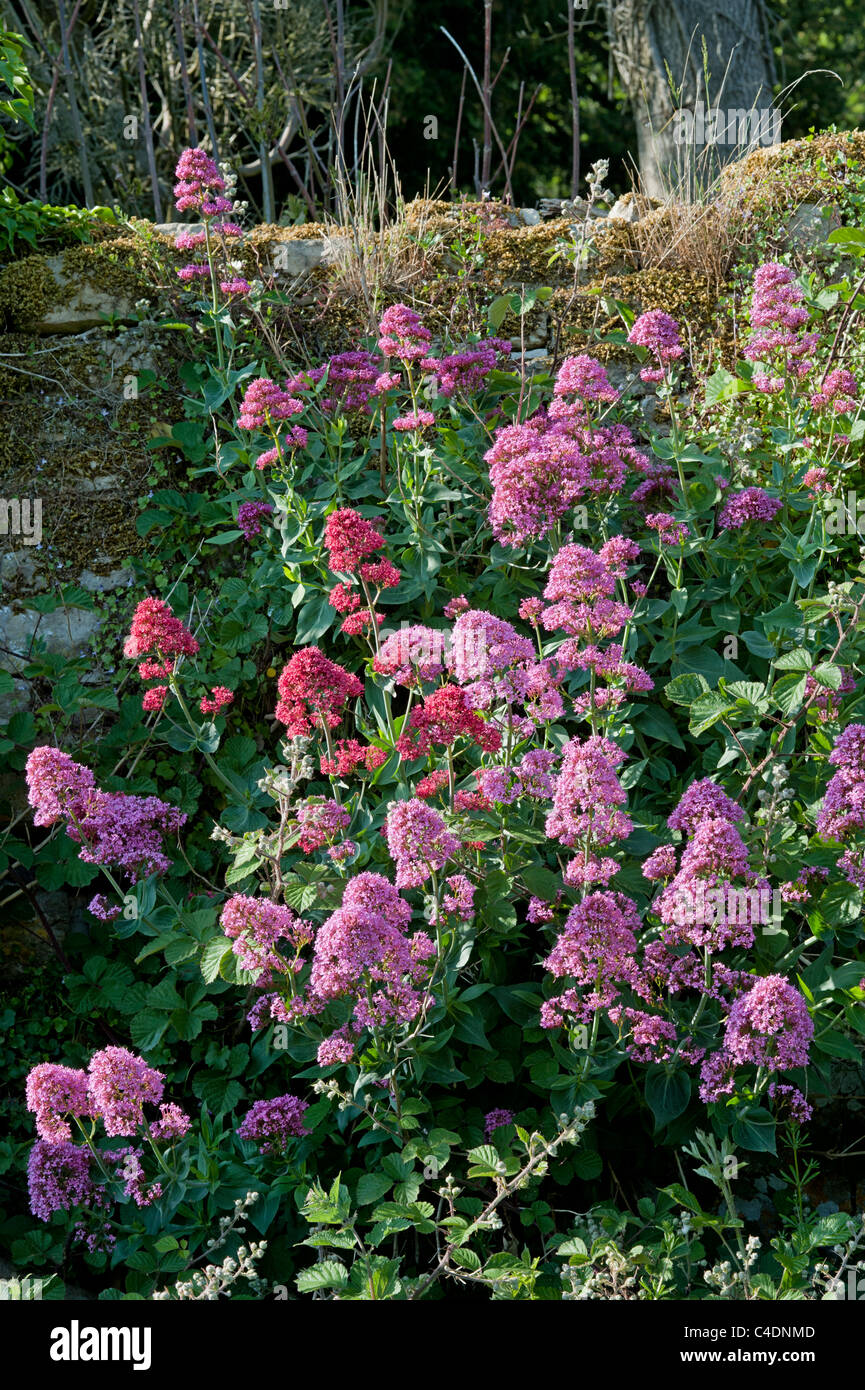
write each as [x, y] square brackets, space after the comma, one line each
[590, 316]
[522, 255]
[816, 169]
[28, 290]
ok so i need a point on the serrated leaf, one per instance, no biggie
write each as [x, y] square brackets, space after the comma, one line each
[212, 957]
[371, 1187]
[327, 1274]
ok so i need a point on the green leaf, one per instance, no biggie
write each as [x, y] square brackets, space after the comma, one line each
[828, 675]
[707, 709]
[686, 688]
[657, 723]
[467, 1259]
[327, 1274]
[371, 1188]
[758, 644]
[314, 621]
[797, 660]
[788, 692]
[146, 1029]
[723, 386]
[754, 1130]
[212, 957]
[667, 1095]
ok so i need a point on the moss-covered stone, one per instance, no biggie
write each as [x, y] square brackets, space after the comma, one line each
[29, 290]
[815, 169]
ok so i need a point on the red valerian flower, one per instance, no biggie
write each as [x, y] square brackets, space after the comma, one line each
[314, 689]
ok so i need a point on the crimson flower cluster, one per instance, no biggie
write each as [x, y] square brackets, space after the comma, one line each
[350, 540]
[314, 692]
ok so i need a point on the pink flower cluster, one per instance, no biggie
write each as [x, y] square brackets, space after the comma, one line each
[161, 638]
[751, 504]
[595, 949]
[199, 185]
[659, 334]
[319, 823]
[464, 372]
[586, 807]
[778, 316]
[256, 926]
[412, 656]
[115, 1089]
[419, 841]
[363, 952]
[250, 516]
[769, 1026]
[842, 815]
[402, 335]
[542, 468]
[116, 829]
[445, 716]
[272, 1124]
[579, 589]
[354, 379]
[350, 539]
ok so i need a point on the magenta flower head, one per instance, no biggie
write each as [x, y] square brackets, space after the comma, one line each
[752, 504]
[363, 953]
[57, 786]
[250, 516]
[466, 371]
[58, 1177]
[271, 1124]
[314, 690]
[419, 841]
[770, 1026]
[120, 1086]
[199, 184]
[585, 378]
[172, 1124]
[415, 420]
[659, 333]
[670, 531]
[704, 800]
[497, 1119]
[349, 538]
[402, 335]
[588, 795]
[256, 925]
[54, 1092]
[155, 629]
[264, 402]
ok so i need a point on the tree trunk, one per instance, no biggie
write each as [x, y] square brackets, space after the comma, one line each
[699, 78]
